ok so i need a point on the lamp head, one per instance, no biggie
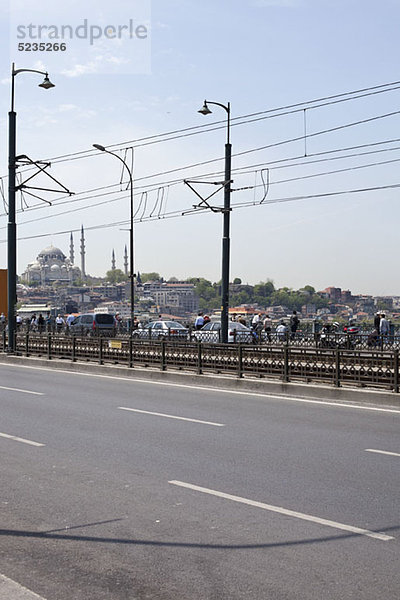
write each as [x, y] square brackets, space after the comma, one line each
[205, 110]
[46, 83]
[99, 147]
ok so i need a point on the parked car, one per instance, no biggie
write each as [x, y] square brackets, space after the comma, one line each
[93, 324]
[236, 333]
[161, 330]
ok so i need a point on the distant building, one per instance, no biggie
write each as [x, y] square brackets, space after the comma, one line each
[332, 293]
[51, 265]
[177, 297]
[346, 296]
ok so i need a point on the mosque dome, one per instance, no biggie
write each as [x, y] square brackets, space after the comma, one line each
[52, 252]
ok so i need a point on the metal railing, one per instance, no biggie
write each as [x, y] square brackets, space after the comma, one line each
[333, 366]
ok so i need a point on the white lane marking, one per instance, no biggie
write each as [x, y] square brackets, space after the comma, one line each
[211, 389]
[10, 389]
[285, 511]
[382, 452]
[156, 414]
[18, 439]
[14, 591]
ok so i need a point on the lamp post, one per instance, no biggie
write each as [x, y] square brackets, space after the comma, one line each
[131, 261]
[12, 226]
[226, 225]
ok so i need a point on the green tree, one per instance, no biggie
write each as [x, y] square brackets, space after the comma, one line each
[116, 276]
[150, 277]
[237, 281]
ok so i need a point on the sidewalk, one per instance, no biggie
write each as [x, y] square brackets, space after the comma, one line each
[11, 590]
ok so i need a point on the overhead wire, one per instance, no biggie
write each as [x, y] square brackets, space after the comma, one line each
[175, 214]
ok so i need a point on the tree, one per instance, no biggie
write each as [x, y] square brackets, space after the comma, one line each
[237, 281]
[115, 276]
[150, 277]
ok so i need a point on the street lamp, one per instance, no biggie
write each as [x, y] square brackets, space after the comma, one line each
[226, 226]
[12, 226]
[131, 267]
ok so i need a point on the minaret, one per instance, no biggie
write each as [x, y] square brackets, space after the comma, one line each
[83, 273]
[71, 250]
[126, 260]
[113, 260]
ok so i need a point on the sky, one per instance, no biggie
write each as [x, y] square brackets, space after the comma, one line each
[289, 222]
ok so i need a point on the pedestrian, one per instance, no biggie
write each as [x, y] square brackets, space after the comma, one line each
[19, 321]
[242, 320]
[118, 322]
[377, 321]
[206, 319]
[281, 330]
[2, 321]
[40, 323]
[294, 323]
[68, 322]
[384, 326]
[255, 320]
[59, 323]
[33, 323]
[267, 327]
[199, 322]
[258, 327]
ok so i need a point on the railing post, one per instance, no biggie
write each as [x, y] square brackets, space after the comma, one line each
[130, 363]
[100, 350]
[73, 348]
[27, 344]
[396, 371]
[240, 360]
[199, 359]
[286, 362]
[4, 340]
[337, 367]
[163, 365]
[49, 346]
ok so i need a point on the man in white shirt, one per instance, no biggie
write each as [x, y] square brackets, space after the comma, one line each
[384, 326]
[281, 330]
[59, 323]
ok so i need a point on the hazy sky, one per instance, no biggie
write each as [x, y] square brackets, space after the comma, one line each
[257, 54]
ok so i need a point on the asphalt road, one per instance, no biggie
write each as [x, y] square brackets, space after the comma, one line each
[241, 497]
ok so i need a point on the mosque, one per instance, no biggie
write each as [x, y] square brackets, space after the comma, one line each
[52, 265]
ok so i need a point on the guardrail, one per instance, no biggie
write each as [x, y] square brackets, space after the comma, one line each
[335, 366]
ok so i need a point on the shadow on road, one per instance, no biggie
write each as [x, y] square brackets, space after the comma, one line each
[52, 535]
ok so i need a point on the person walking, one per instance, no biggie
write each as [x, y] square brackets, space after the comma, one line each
[281, 330]
[40, 323]
[294, 323]
[268, 327]
[255, 320]
[199, 322]
[59, 323]
[377, 321]
[384, 327]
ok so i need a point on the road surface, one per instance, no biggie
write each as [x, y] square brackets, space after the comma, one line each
[119, 489]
